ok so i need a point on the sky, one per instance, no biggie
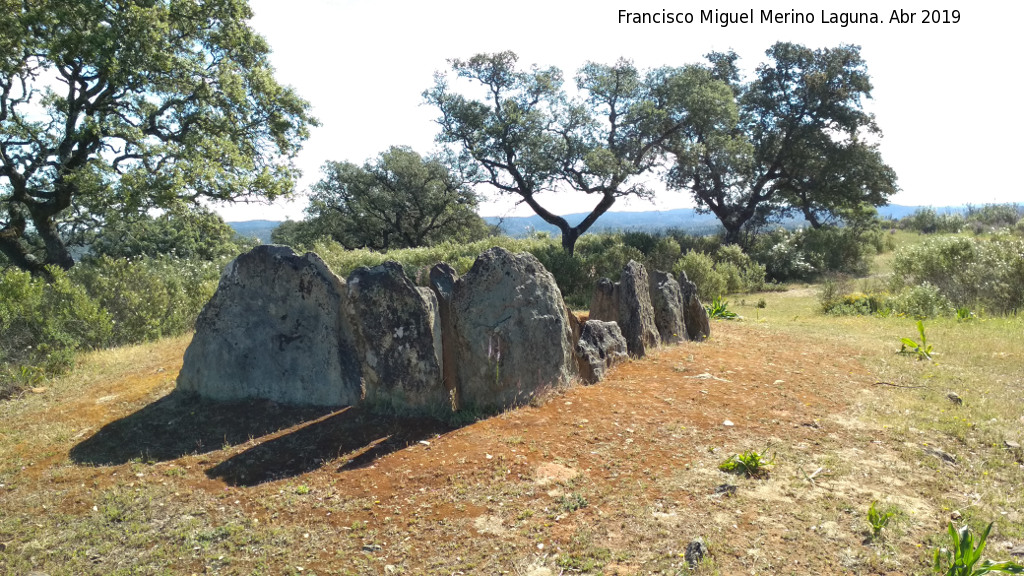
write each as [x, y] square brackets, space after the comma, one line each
[944, 94]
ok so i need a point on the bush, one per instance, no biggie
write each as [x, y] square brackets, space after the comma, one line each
[974, 273]
[921, 302]
[700, 269]
[149, 298]
[928, 221]
[42, 325]
[805, 254]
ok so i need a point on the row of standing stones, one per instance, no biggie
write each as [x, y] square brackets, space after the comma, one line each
[283, 327]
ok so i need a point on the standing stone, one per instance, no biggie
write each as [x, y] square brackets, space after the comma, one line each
[636, 314]
[604, 305]
[398, 334]
[695, 317]
[442, 281]
[600, 346]
[667, 299]
[274, 330]
[510, 331]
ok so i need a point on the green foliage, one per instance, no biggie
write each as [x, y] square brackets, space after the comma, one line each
[398, 200]
[878, 520]
[101, 302]
[922, 349]
[928, 221]
[720, 309]
[747, 157]
[42, 324]
[808, 253]
[750, 463]
[186, 232]
[573, 502]
[964, 554]
[994, 216]
[700, 269]
[977, 273]
[924, 301]
[149, 298]
[131, 105]
[528, 135]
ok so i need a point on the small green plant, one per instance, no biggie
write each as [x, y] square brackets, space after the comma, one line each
[964, 554]
[720, 309]
[878, 520]
[302, 490]
[573, 502]
[750, 463]
[922, 349]
[964, 314]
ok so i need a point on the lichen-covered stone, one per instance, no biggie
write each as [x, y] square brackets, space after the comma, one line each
[667, 300]
[695, 317]
[512, 338]
[398, 335]
[600, 346]
[442, 281]
[636, 314]
[604, 304]
[274, 330]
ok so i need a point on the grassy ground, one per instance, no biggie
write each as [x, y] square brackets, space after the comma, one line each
[106, 471]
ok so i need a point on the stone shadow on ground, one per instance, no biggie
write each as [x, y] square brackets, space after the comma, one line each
[180, 424]
[353, 433]
[300, 439]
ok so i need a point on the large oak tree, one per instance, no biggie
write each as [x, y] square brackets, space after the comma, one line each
[524, 136]
[125, 105]
[795, 140]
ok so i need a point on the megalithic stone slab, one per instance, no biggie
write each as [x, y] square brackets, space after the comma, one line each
[667, 299]
[636, 314]
[274, 330]
[604, 304]
[695, 317]
[601, 346]
[511, 333]
[398, 335]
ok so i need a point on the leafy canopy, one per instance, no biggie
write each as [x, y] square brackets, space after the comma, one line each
[795, 139]
[398, 200]
[132, 104]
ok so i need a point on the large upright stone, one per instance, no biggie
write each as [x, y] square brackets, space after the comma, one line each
[274, 330]
[604, 304]
[442, 282]
[398, 334]
[667, 299]
[695, 317]
[600, 347]
[636, 314]
[510, 331]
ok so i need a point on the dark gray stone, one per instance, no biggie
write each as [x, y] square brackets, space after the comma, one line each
[604, 304]
[274, 330]
[398, 334]
[510, 331]
[442, 281]
[667, 300]
[600, 346]
[636, 314]
[696, 551]
[695, 317]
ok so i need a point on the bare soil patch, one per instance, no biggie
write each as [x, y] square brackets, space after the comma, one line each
[615, 478]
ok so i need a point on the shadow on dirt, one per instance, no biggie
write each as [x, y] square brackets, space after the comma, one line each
[298, 440]
[354, 434]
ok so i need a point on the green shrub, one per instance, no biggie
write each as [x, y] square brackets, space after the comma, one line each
[808, 253]
[976, 273]
[700, 269]
[924, 301]
[928, 221]
[151, 297]
[42, 324]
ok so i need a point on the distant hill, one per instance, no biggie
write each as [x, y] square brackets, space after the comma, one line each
[652, 221]
[259, 229]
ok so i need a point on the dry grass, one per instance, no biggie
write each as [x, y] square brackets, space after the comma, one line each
[107, 472]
